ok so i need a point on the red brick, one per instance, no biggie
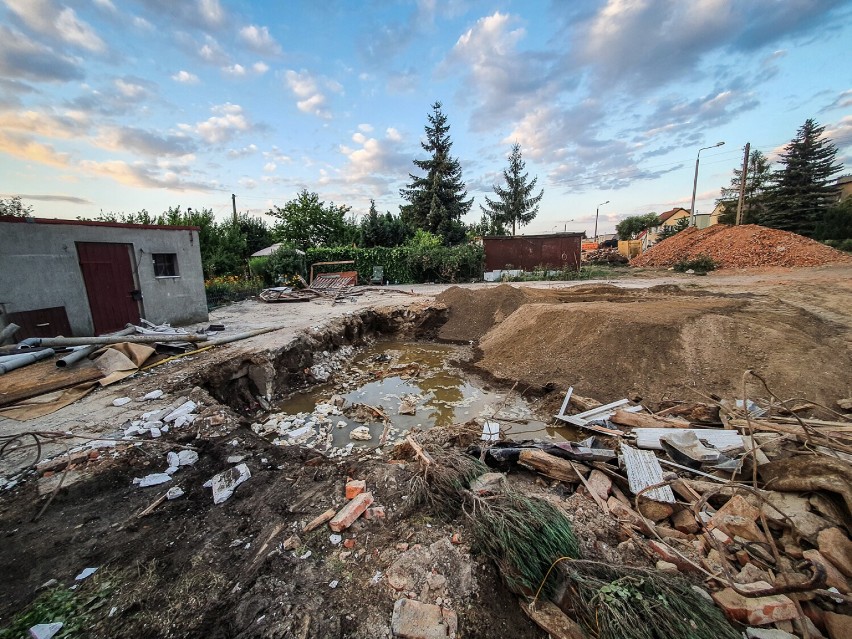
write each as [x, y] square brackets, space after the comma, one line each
[350, 512]
[348, 543]
[456, 538]
[836, 547]
[756, 611]
[833, 577]
[838, 626]
[684, 521]
[377, 512]
[355, 487]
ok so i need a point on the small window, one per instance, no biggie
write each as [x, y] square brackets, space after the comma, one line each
[165, 265]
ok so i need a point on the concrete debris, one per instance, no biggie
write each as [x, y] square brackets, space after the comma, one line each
[153, 479]
[154, 394]
[45, 630]
[121, 401]
[225, 483]
[415, 620]
[174, 492]
[183, 410]
[87, 572]
[362, 433]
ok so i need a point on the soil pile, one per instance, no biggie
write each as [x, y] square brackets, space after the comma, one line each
[660, 347]
[474, 312]
[740, 247]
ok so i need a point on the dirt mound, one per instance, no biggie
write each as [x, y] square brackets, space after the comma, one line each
[740, 247]
[658, 348]
[474, 312]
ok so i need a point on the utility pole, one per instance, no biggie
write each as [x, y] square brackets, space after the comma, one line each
[743, 177]
[234, 206]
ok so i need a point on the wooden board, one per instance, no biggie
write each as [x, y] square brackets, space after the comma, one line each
[44, 377]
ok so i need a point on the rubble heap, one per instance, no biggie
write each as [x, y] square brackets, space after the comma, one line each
[742, 246]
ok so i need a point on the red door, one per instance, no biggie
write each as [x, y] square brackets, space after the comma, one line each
[108, 274]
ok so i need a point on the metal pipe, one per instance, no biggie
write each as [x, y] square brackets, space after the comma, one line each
[7, 332]
[85, 351]
[133, 339]
[235, 338]
[8, 358]
[26, 360]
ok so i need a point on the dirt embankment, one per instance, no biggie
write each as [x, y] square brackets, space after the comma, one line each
[744, 246]
[662, 342]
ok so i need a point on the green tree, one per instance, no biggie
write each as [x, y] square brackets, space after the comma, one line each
[516, 204]
[802, 191]
[668, 231]
[487, 225]
[14, 207]
[307, 222]
[256, 232]
[437, 200]
[836, 223]
[758, 182]
[629, 227]
[382, 230]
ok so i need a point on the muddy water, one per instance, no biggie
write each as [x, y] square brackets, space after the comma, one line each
[443, 394]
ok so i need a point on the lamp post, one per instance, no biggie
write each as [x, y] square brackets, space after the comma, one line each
[695, 181]
[597, 211]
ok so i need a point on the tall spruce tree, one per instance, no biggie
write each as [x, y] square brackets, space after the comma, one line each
[758, 182]
[515, 204]
[802, 192]
[437, 200]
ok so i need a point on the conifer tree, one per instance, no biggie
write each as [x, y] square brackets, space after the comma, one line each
[802, 192]
[437, 200]
[758, 182]
[516, 205]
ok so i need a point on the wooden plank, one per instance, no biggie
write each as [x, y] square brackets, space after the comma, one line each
[44, 377]
[589, 414]
[548, 465]
[643, 420]
[643, 470]
[649, 438]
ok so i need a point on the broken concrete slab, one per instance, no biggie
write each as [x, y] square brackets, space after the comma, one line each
[835, 546]
[833, 577]
[415, 620]
[755, 611]
[225, 483]
[644, 470]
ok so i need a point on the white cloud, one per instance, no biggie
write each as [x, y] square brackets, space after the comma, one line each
[130, 89]
[241, 153]
[140, 174]
[269, 167]
[46, 18]
[211, 12]
[366, 128]
[374, 157]
[228, 121]
[259, 40]
[185, 77]
[212, 53]
[310, 99]
[28, 150]
[142, 23]
[235, 70]
[260, 67]
[106, 5]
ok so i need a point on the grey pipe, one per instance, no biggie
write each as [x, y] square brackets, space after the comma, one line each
[6, 333]
[26, 360]
[235, 338]
[83, 353]
[4, 359]
[133, 339]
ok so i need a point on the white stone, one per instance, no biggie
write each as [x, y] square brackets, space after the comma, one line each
[342, 424]
[235, 459]
[362, 433]
[184, 409]
[171, 470]
[45, 630]
[174, 492]
[335, 539]
[154, 394]
[153, 479]
[155, 432]
[226, 482]
[121, 401]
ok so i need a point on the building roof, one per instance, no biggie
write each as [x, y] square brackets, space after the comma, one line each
[669, 214]
[269, 250]
[120, 225]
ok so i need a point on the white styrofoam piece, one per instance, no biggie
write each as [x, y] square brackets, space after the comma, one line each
[649, 438]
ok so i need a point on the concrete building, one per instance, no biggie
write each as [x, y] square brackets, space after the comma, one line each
[69, 277]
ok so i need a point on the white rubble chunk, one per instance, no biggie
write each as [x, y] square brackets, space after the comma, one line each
[362, 433]
[121, 401]
[87, 572]
[174, 492]
[153, 479]
[226, 482]
[45, 630]
[184, 409]
[154, 394]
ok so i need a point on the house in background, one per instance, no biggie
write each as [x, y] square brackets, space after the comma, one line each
[667, 219]
[70, 277]
[843, 187]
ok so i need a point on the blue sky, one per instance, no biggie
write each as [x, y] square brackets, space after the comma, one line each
[119, 105]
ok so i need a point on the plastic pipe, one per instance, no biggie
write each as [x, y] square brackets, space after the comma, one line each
[84, 352]
[7, 332]
[133, 339]
[26, 360]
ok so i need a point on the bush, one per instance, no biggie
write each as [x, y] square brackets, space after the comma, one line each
[284, 263]
[701, 264]
[842, 245]
[230, 288]
[407, 264]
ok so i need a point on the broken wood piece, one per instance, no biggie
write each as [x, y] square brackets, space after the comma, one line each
[153, 505]
[644, 470]
[418, 450]
[583, 403]
[592, 492]
[565, 403]
[643, 420]
[548, 465]
[550, 618]
[649, 438]
[319, 521]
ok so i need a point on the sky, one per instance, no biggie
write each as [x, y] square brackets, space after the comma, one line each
[122, 105]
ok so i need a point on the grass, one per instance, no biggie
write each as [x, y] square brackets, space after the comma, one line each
[589, 272]
[74, 608]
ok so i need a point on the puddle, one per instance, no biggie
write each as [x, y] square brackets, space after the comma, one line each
[389, 374]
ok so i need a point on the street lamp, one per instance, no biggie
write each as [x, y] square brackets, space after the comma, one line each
[695, 181]
[598, 210]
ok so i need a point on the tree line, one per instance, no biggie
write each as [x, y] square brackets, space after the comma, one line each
[799, 195]
[435, 199]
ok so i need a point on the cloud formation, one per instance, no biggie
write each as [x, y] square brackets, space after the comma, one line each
[46, 18]
[259, 40]
[310, 97]
[229, 120]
